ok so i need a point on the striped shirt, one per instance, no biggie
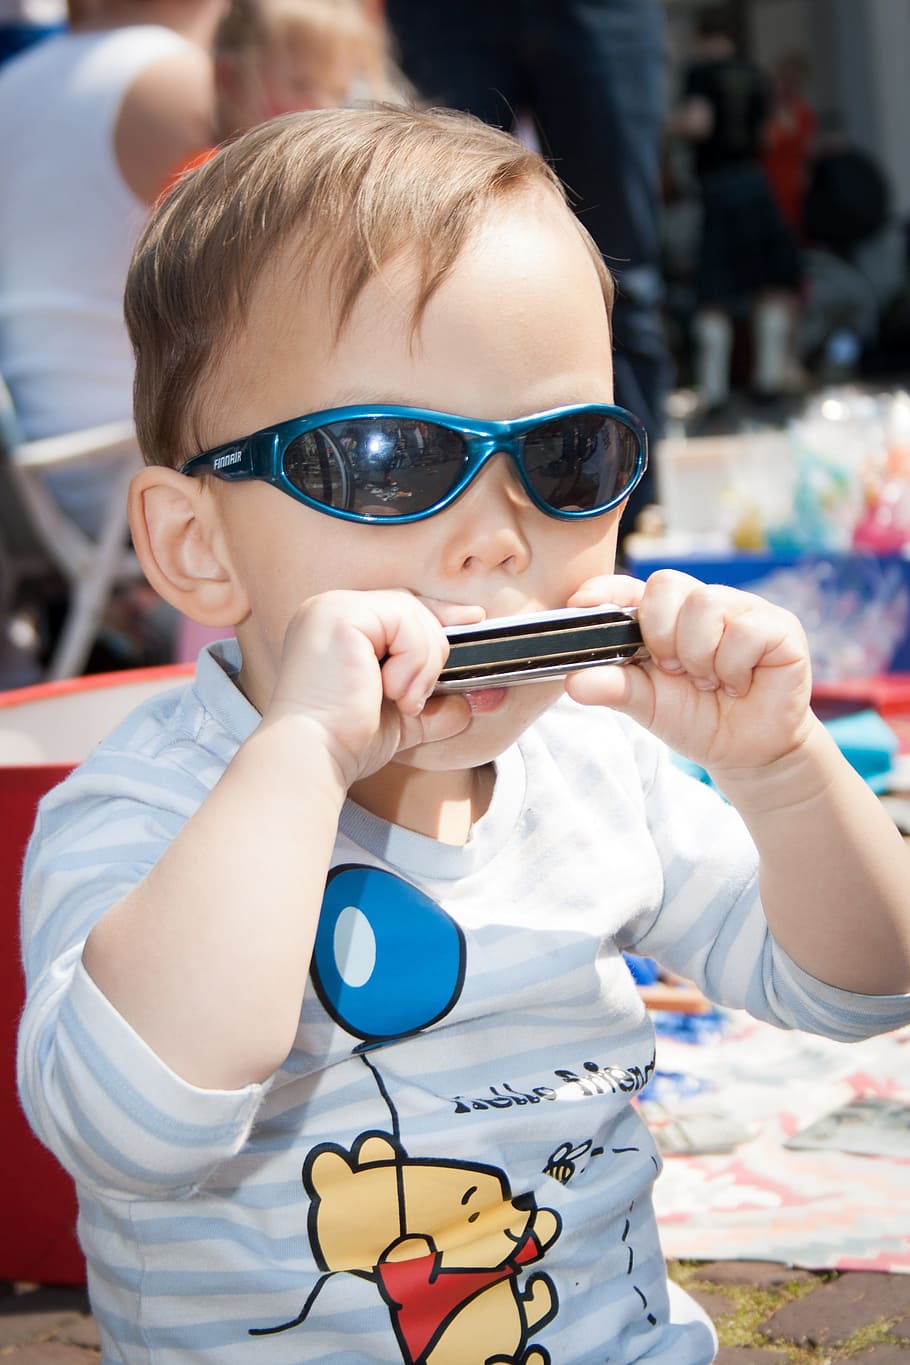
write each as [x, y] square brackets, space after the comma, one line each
[450, 1158]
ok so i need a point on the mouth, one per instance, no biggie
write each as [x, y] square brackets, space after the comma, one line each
[485, 700]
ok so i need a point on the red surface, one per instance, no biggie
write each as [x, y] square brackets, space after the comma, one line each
[92, 682]
[38, 1202]
[888, 693]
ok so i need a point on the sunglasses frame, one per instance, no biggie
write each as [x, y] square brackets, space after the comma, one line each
[260, 456]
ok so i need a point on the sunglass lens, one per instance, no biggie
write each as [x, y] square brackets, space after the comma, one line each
[582, 461]
[376, 467]
[316, 465]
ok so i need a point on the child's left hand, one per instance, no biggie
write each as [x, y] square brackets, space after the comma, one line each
[728, 682]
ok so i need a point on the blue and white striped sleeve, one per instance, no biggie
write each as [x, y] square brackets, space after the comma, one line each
[112, 1112]
[712, 929]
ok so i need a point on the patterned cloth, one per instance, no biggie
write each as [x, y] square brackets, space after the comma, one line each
[815, 1208]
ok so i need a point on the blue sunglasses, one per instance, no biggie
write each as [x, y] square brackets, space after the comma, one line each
[394, 465]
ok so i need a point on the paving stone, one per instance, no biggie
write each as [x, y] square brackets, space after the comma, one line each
[882, 1355]
[52, 1353]
[834, 1311]
[763, 1274]
[891, 1293]
[900, 1329]
[82, 1332]
[30, 1314]
[749, 1355]
[715, 1305]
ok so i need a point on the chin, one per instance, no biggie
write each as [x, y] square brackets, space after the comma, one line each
[489, 733]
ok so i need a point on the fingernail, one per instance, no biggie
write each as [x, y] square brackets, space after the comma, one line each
[706, 684]
[671, 666]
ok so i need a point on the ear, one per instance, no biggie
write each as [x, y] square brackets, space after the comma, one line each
[179, 542]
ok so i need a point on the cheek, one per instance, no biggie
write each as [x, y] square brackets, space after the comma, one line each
[597, 541]
[528, 702]
[285, 551]
[578, 552]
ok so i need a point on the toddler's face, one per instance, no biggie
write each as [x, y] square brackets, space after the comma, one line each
[518, 327]
[313, 71]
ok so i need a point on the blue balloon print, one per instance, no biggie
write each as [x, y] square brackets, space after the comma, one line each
[388, 960]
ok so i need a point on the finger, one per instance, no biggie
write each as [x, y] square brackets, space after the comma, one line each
[700, 628]
[739, 653]
[409, 677]
[682, 622]
[722, 636]
[410, 682]
[453, 613]
[614, 589]
[441, 718]
[759, 635]
[418, 650]
[626, 688]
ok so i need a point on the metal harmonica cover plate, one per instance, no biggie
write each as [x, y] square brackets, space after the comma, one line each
[516, 649]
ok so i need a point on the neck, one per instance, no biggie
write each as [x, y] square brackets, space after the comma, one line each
[196, 20]
[440, 805]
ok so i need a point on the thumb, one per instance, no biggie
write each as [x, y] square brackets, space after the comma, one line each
[441, 718]
[623, 687]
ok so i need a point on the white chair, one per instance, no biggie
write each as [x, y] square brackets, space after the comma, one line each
[56, 724]
[38, 538]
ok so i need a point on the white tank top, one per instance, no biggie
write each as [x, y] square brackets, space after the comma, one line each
[68, 225]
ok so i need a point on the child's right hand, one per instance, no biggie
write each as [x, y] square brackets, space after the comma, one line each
[361, 667]
[217, 995]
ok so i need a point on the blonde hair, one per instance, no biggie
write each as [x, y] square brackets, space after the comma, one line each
[338, 39]
[349, 189]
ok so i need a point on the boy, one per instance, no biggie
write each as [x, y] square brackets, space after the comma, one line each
[327, 1010]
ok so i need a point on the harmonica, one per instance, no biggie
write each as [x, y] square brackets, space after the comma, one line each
[549, 644]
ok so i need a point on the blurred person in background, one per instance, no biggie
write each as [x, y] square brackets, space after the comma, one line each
[589, 75]
[854, 258]
[748, 259]
[24, 22]
[93, 120]
[789, 138]
[282, 56]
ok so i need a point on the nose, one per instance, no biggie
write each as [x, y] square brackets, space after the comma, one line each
[486, 528]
